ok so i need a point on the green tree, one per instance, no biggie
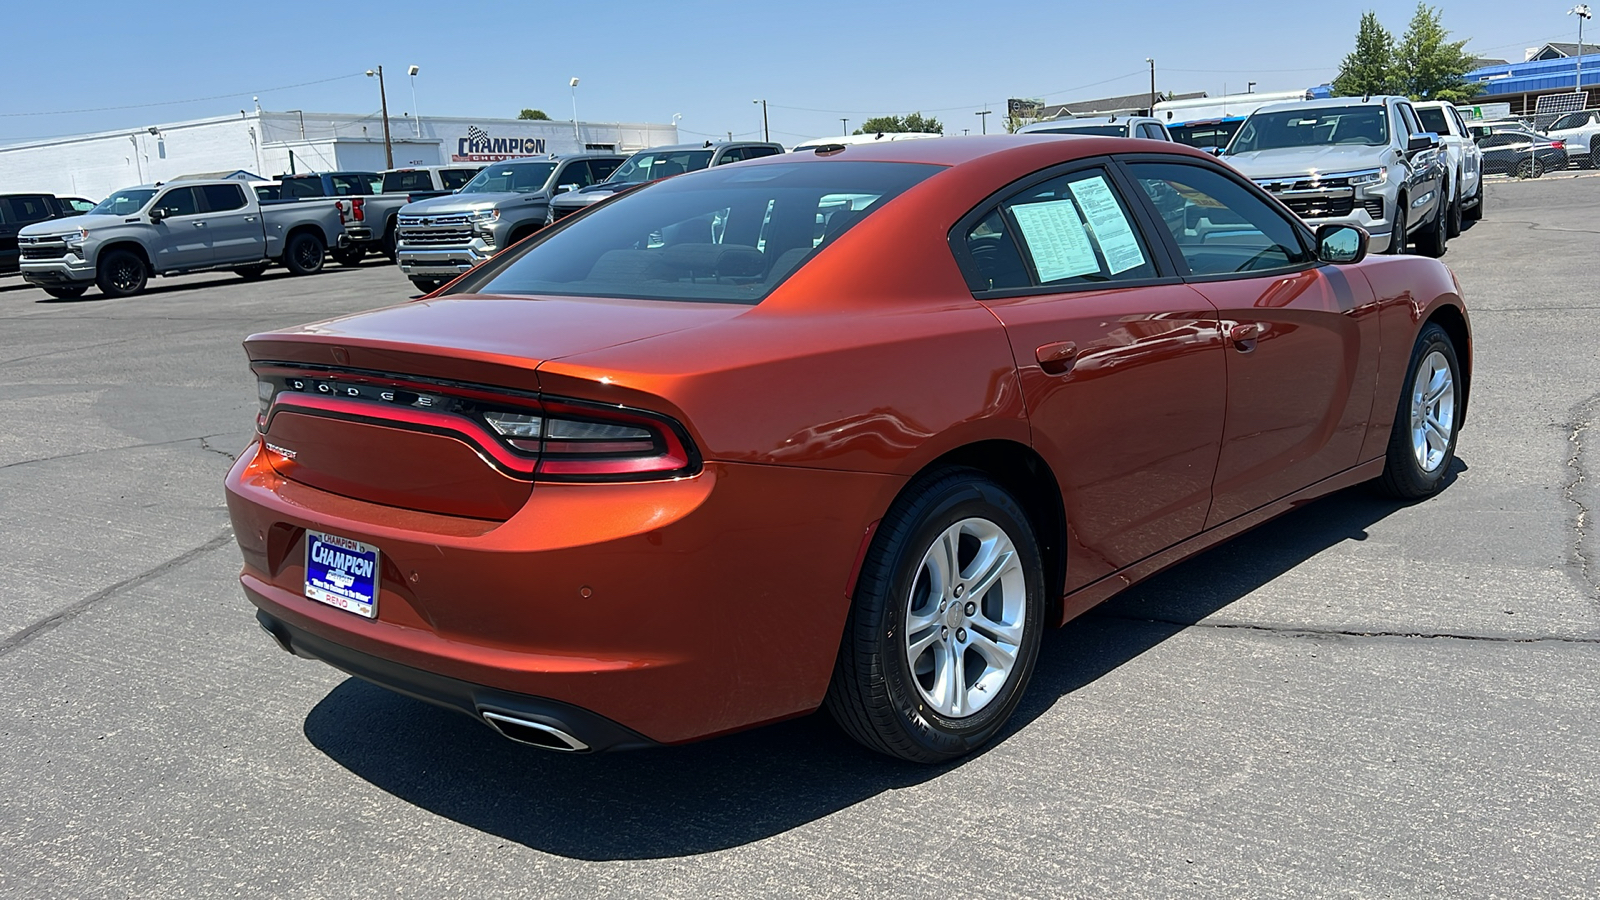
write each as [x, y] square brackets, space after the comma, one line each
[533, 114]
[1429, 65]
[1370, 67]
[914, 122]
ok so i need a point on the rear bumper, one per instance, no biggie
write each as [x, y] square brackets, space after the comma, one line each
[674, 610]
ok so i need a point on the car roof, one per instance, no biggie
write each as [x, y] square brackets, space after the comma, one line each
[956, 150]
[1328, 103]
[710, 145]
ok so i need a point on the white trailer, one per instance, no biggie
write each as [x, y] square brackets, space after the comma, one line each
[1228, 106]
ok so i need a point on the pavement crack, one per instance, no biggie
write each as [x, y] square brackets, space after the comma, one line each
[1301, 631]
[1577, 479]
[202, 439]
[61, 617]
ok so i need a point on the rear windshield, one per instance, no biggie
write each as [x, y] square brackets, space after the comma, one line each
[653, 164]
[510, 178]
[726, 235]
[407, 180]
[454, 178]
[1111, 130]
[1209, 134]
[1358, 125]
[1433, 119]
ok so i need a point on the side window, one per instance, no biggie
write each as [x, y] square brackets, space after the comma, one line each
[1147, 130]
[5, 211]
[29, 209]
[1220, 227]
[758, 152]
[300, 188]
[223, 197]
[454, 178]
[731, 155]
[1071, 230]
[602, 168]
[1455, 119]
[179, 202]
[578, 173]
[1409, 116]
[353, 185]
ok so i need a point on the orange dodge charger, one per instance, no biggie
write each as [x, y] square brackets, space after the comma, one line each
[843, 428]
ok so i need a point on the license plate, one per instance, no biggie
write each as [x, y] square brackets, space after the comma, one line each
[343, 573]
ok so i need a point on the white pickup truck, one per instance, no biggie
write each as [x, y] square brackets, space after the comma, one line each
[1462, 158]
[173, 229]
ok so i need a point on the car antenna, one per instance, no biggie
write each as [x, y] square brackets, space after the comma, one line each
[708, 143]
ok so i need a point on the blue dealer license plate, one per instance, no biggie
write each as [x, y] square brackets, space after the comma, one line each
[343, 573]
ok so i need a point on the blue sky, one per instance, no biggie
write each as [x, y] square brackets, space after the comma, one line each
[815, 62]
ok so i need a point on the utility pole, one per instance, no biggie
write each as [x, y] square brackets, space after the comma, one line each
[1250, 87]
[1152, 63]
[766, 134]
[983, 117]
[844, 126]
[383, 96]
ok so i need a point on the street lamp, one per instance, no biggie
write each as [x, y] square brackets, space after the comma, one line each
[1582, 12]
[416, 118]
[383, 96]
[575, 135]
[1250, 87]
[766, 135]
[1152, 63]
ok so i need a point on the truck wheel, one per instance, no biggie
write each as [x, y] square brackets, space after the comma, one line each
[427, 285]
[121, 273]
[304, 254]
[251, 273]
[1432, 238]
[348, 256]
[390, 237]
[1397, 231]
[1455, 215]
[1475, 212]
[66, 293]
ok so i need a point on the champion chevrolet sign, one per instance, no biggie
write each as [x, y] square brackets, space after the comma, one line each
[479, 147]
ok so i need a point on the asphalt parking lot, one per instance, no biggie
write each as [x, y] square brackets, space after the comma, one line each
[1360, 699]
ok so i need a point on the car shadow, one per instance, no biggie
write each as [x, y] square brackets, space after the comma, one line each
[156, 287]
[741, 788]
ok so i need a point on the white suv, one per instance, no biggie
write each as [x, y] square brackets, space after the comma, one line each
[1578, 130]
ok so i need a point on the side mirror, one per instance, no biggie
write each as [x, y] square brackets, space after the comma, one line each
[1216, 151]
[1342, 244]
[1424, 140]
[157, 214]
[566, 188]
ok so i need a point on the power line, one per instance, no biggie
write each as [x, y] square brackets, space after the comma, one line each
[67, 112]
[965, 106]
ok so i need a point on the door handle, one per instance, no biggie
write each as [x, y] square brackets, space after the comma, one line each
[1244, 335]
[199, 224]
[1057, 358]
[249, 218]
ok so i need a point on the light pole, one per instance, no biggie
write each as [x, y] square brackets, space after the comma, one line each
[675, 118]
[983, 117]
[1582, 12]
[766, 134]
[844, 126]
[383, 96]
[416, 117]
[1250, 87]
[1152, 63]
[575, 135]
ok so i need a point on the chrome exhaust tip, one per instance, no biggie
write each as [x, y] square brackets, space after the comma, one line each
[537, 734]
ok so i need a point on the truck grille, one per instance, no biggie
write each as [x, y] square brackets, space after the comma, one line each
[54, 250]
[1319, 207]
[422, 238]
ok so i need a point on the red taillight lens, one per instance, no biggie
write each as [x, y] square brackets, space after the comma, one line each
[576, 442]
[358, 205]
[1559, 145]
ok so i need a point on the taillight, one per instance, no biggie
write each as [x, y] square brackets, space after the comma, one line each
[578, 442]
[358, 206]
[1559, 145]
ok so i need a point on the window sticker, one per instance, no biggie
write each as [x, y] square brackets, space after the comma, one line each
[1110, 225]
[1057, 239]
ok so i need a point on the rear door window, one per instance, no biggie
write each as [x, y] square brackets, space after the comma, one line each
[30, 209]
[454, 178]
[223, 197]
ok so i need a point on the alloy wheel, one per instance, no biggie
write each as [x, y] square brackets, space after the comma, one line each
[1433, 411]
[126, 274]
[965, 617]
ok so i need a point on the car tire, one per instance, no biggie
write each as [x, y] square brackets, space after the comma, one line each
[1475, 212]
[1427, 420]
[251, 273]
[1397, 226]
[427, 285]
[67, 293]
[347, 256]
[1456, 215]
[121, 273]
[904, 682]
[391, 238]
[1529, 168]
[304, 254]
[1433, 237]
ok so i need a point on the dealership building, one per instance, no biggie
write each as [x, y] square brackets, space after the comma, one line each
[273, 143]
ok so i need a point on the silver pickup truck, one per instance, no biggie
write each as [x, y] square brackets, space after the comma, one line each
[173, 229]
[442, 237]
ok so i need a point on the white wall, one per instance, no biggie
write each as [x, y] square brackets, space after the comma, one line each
[95, 165]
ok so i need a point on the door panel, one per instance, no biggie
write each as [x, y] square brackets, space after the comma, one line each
[235, 227]
[1133, 427]
[1302, 366]
[182, 239]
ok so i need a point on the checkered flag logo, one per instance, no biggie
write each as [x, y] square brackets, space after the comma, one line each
[476, 136]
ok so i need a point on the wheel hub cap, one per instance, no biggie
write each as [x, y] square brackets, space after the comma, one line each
[961, 653]
[1433, 411]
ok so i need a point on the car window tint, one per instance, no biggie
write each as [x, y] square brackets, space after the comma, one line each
[348, 185]
[731, 155]
[1220, 227]
[1433, 119]
[454, 178]
[223, 197]
[299, 188]
[758, 152]
[179, 202]
[577, 172]
[1409, 116]
[730, 234]
[407, 181]
[1069, 230]
[29, 209]
[603, 168]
